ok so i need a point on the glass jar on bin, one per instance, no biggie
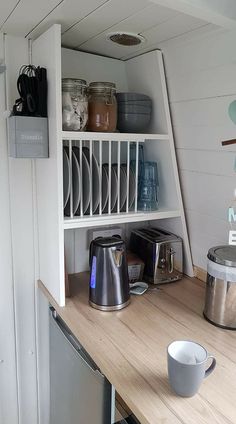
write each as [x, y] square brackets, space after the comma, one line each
[102, 107]
[74, 104]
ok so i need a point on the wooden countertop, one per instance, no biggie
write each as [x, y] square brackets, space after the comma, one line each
[129, 346]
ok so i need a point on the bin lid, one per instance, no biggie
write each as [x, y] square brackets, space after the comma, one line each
[223, 255]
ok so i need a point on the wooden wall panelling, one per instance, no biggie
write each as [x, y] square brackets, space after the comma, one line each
[206, 68]
[201, 81]
[200, 161]
[208, 194]
[23, 251]
[8, 371]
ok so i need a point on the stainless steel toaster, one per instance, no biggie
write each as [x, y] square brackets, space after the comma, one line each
[162, 253]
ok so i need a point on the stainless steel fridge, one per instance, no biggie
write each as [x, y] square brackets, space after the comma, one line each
[79, 392]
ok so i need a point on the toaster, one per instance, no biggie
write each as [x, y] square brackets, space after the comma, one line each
[162, 253]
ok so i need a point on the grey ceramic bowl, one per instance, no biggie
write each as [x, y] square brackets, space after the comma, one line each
[135, 103]
[133, 122]
[124, 97]
[127, 108]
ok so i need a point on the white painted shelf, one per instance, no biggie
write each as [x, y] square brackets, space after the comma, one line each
[61, 237]
[121, 218]
[116, 136]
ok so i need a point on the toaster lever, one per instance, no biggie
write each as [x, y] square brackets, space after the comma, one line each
[171, 260]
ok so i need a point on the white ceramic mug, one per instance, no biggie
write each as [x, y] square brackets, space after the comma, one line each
[187, 362]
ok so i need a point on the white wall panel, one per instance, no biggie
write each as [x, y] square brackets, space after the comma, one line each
[21, 198]
[204, 137]
[8, 371]
[202, 84]
[93, 68]
[200, 161]
[203, 68]
[208, 194]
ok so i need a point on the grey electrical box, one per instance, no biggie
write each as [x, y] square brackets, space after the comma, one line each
[28, 137]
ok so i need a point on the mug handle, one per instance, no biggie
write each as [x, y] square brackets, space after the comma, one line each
[211, 367]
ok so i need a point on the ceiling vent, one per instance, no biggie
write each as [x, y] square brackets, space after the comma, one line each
[126, 38]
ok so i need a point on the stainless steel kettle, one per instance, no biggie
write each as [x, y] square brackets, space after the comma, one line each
[109, 281]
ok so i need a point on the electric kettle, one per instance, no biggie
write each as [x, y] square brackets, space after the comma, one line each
[109, 282]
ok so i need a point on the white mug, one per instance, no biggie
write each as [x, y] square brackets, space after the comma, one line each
[187, 362]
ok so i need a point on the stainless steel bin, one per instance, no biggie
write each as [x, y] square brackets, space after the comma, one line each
[220, 300]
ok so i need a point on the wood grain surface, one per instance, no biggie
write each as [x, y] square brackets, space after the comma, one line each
[129, 346]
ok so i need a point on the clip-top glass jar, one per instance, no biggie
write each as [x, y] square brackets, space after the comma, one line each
[74, 104]
[102, 107]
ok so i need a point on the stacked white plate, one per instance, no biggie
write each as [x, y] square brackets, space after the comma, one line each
[86, 187]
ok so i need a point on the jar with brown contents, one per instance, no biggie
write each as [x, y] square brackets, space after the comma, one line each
[102, 107]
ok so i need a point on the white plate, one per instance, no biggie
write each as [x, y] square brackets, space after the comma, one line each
[95, 178]
[76, 181]
[114, 187]
[123, 184]
[132, 181]
[86, 183]
[66, 177]
[76, 185]
[132, 187]
[86, 178]
[105, 191]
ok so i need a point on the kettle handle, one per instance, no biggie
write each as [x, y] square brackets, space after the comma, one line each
[90, 250]
[90, 253]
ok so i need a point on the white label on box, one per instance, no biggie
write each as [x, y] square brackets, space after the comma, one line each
[134, 272]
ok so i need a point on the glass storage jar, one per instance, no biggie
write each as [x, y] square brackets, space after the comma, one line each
[102, 107]
[74, 104]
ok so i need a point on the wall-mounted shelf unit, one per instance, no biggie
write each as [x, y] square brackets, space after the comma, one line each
[143, 74]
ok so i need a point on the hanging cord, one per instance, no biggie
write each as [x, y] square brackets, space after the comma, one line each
[32, 88]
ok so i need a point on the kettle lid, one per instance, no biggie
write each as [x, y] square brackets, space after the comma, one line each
[106, 242]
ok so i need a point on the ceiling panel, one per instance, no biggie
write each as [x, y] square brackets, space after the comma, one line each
[142, 20]
[173, 27]
[6, 8]
[27, 14]
[103, 18]
[67, 13]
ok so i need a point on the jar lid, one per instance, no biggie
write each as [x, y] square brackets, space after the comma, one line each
[100, 86]
[72, 82]
[223, 255]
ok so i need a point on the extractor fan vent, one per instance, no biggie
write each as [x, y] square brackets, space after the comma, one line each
[126, 38]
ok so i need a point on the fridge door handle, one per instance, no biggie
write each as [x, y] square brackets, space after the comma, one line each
[74, 342]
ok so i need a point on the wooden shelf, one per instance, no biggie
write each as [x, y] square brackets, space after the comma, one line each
[121, 218]
[116, 136]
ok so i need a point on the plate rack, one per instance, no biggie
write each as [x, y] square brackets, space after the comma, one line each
[120, 158]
